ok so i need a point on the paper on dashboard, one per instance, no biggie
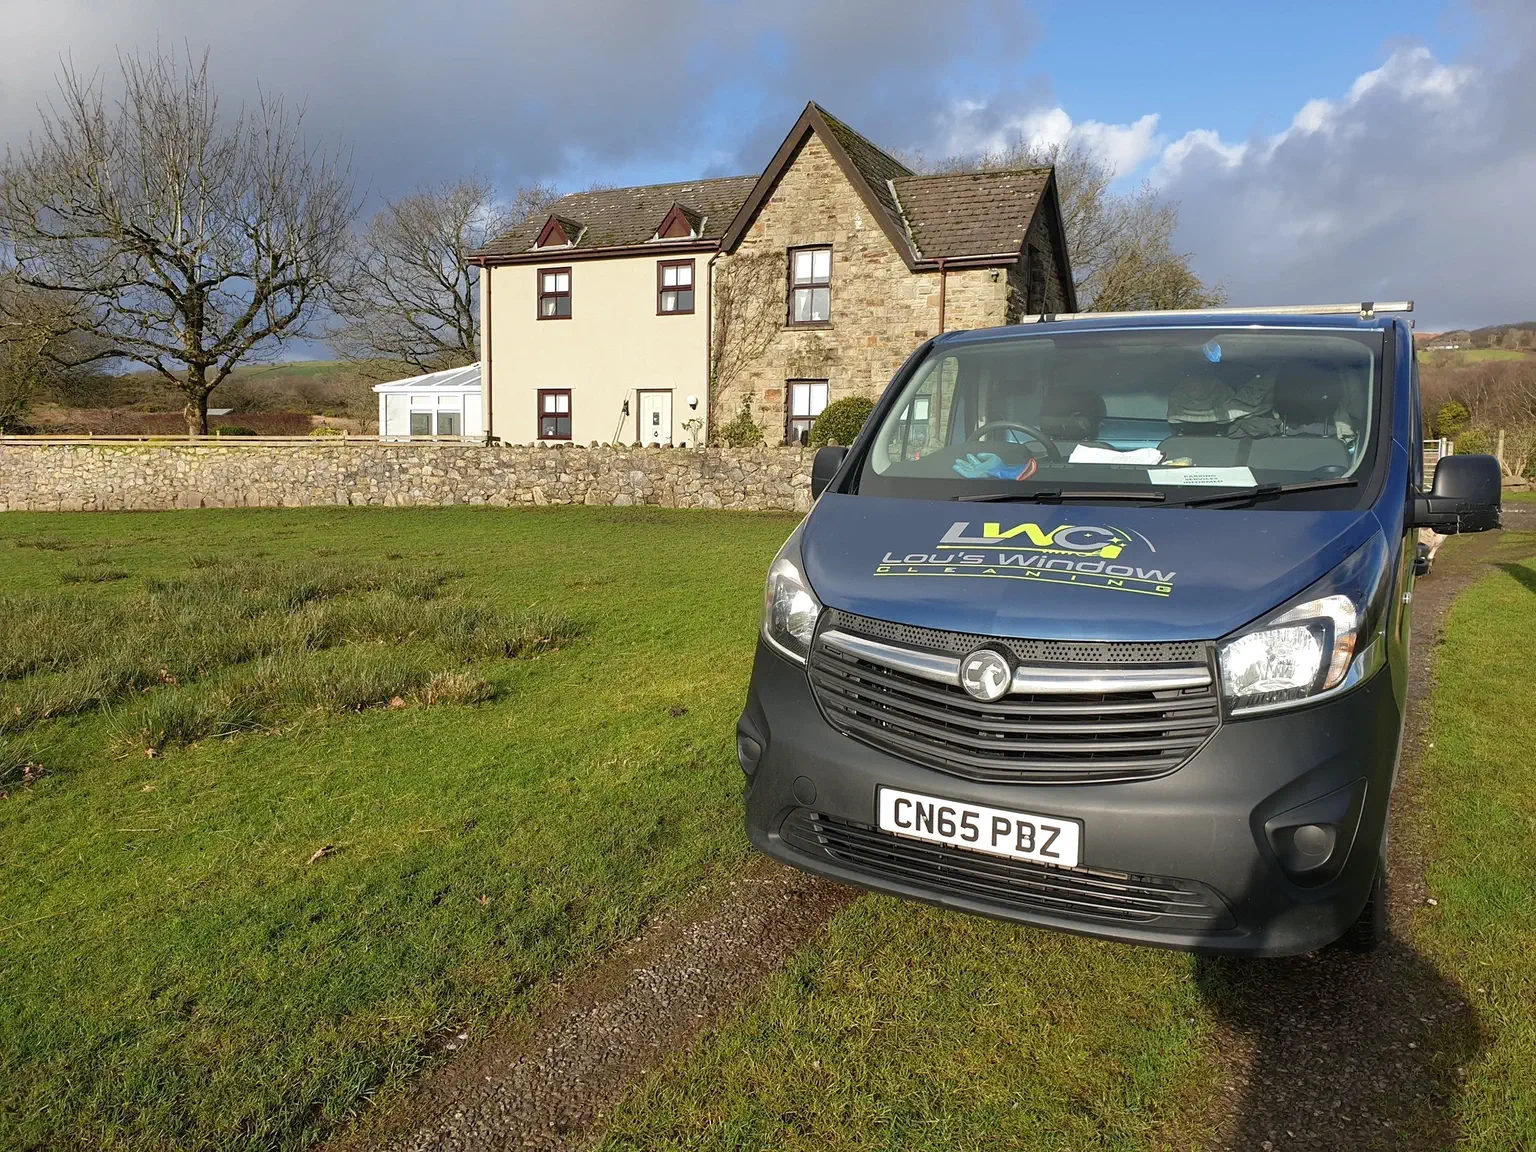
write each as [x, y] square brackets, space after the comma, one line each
[1087, 454]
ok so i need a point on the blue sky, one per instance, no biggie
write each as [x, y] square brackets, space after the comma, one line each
[1318, 150]
[1239, 68]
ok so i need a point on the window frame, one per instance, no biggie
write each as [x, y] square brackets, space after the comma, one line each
[662, 289]
[790, 416]
[539, 413]
[540, 295]
[810, 285]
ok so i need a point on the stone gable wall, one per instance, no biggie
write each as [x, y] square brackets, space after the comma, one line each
[155, 477]
[880, 310]
[1038, 240]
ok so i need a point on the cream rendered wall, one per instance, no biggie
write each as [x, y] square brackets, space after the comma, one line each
[613, 344]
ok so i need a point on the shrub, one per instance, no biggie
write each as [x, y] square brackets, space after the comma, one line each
[1476, 440]
[742, 430]
[1451, 418]
[234, 430]
[327, 430]
[841, 421]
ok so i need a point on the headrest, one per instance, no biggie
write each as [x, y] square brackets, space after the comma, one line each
[1253, 397]
[1200, 400]
[1306, 396]
[1071, 412]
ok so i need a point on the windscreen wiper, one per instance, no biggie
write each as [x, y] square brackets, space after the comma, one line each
[1056, 495]
[1264, 491]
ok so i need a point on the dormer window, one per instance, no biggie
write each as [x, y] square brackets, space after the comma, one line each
[558, 231]
[680, 223]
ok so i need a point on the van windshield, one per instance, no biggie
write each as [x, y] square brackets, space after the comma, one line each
[1176, 413]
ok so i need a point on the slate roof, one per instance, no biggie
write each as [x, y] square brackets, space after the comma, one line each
[926, 217]
[614, 217]
[876, 165]
[972, 214]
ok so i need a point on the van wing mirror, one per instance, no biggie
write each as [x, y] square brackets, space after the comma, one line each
[824, 467]
[1465, 497]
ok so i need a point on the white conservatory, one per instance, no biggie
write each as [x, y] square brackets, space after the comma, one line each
[437, 404]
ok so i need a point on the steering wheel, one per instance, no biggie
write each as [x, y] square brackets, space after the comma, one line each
[1051, 451]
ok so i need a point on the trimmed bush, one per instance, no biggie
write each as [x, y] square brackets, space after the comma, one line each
[1451, 419]
[1476, 440]
[841, 421]
[234, 430]
[742, 430]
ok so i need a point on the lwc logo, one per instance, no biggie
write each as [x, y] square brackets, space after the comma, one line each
[1085, 555]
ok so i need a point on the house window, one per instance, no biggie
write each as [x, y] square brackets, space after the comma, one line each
[447, 423]
[421, 423]
[554, 413]
[554, 293]
[806, 400]
[810, 285]
[674, 287]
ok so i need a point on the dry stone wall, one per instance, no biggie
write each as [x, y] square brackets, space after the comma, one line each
[110, 477]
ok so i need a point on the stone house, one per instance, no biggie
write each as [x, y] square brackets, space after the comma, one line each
[656, 314]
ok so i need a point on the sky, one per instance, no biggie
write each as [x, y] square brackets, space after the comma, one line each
[1318, 150]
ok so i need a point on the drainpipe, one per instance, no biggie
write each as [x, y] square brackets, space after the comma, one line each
[485, 348]
[709, 347]
[943, 280]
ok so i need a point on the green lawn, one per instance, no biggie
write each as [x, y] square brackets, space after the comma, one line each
[1457, 356]
[512, 729]
[514, 778]
[913, 1028]
[910, 1028]
[1481, 789]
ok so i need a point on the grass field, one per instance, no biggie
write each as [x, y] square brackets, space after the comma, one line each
[1482, 818]
[293, 797]
[507, 736]
[1450, 357]
[909, 1028]
[912, 1028]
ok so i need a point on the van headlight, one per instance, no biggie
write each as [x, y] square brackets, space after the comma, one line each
[1323, 642]
[790, 608]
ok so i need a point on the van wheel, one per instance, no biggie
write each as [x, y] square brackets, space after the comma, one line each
[1370, 927]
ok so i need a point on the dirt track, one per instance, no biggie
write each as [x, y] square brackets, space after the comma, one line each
[542, 1085]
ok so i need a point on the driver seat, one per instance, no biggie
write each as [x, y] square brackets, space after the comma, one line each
[1070, 414]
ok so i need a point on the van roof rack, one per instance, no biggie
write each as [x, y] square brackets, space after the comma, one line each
[1366, 310]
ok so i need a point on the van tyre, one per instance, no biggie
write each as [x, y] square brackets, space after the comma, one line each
[1370, 927]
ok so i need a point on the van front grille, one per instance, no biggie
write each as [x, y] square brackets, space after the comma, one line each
[1014, 885]
[1057, 737]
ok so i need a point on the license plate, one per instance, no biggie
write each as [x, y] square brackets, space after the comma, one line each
[996, 831]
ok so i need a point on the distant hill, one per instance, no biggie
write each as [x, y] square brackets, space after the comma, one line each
[1519, 337]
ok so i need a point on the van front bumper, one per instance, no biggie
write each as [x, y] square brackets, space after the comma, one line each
[1203, 858]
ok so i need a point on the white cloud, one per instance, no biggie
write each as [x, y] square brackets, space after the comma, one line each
[1413, 183]
[975, 127]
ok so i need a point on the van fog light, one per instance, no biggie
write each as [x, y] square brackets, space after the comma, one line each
[1313, 840]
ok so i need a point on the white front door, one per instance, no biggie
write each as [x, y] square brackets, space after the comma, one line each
[655, 418]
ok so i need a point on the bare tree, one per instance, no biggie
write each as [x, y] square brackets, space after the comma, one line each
[1119, 243]
[184, 240]
[38, 335]
[748, 310]
[410, 297]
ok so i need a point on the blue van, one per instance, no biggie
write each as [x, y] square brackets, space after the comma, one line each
[1102, 625]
